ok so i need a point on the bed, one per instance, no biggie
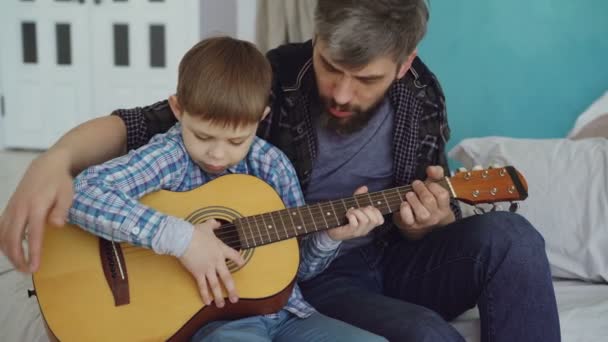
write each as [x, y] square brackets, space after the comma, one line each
[568, 204]
[573, 170]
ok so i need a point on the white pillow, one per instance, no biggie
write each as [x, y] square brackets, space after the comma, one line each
[568, 195]
[588, 123]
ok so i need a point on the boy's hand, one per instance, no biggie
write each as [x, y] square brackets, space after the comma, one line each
[360, 221]
[44, 193]
[205, 258]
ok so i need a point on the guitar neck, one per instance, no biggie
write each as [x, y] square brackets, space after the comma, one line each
[473, 187]
[284, 224]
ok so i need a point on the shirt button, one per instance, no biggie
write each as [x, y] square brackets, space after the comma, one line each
[135, 231]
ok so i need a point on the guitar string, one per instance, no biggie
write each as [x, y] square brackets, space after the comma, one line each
[390, 195]
[228, 233]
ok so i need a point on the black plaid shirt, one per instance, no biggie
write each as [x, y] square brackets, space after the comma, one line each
[420, 134]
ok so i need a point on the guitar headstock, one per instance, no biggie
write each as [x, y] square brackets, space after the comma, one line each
[489, 185]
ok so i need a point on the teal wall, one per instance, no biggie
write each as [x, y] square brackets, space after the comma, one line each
[519, 68]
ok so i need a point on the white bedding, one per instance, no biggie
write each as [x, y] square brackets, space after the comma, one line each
[583, 309]
[583, 312]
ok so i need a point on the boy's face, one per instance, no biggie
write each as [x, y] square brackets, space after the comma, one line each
[214, 147]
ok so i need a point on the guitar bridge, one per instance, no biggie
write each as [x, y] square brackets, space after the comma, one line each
[115, 271]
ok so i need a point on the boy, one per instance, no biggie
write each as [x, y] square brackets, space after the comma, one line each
[222, 93]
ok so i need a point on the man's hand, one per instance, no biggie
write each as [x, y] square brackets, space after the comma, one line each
[360, 221]
[45, 192]
[205, 259]
[425, 208]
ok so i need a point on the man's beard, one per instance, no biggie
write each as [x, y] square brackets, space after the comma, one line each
[348, 125]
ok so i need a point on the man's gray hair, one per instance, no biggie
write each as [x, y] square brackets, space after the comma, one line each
[357, 31]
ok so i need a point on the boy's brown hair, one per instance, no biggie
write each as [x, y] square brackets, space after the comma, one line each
[224, 80]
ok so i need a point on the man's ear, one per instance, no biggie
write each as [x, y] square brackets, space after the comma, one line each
[407, 64]
[266, 111]
[176, 108]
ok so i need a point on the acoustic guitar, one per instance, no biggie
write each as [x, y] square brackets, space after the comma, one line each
[91, 289]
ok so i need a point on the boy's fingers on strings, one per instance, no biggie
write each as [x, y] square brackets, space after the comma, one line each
[234, 255]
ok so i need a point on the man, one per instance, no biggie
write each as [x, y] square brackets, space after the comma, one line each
[355, 106]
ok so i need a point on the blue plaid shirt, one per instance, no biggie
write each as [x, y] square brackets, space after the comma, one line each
[106, 200]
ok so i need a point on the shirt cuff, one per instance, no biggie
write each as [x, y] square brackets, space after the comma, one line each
[325, 243]
[173, 237]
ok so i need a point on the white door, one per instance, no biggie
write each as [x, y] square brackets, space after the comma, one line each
[67, 61]
[137, 48]
[46, 71]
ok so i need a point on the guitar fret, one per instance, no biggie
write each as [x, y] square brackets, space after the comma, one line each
[274, 226]
[293, 223]
[398, 194]
[280, 213]
[333, 209]
[345, 206]
[386, 201]
[356, 201]
[313, 218]
[259, 232]
[323, 214]
[369, 198]
[302, 223]
[265, 226]
[246, 219]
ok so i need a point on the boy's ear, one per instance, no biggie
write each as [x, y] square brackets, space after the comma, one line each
[176, 108]
[266, 111]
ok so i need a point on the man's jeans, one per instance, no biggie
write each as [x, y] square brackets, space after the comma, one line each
[408, 290]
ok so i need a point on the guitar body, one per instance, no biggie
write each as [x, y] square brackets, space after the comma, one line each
[164, 302]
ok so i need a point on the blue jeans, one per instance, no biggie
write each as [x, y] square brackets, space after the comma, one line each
[287, 327]
[409, 290]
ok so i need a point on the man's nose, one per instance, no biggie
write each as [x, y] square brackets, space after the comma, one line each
[343, 91]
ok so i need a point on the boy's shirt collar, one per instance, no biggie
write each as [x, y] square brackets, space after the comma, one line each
[241, 167]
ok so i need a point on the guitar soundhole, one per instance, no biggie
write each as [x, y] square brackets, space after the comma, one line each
[227, 232]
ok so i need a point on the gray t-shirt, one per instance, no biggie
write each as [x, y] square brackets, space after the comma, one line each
[346, 162]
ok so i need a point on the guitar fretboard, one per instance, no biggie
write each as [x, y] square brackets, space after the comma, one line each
[284, 224]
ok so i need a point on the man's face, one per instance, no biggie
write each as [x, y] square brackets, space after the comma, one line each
[350, 96]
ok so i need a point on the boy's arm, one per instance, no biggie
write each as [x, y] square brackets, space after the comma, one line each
[106, 198]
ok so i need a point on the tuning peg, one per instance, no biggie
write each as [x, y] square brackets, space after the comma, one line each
[513, 207]
[477, 168]
[461, 169]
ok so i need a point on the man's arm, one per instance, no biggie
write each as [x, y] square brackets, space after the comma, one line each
[45, 191]
[91, 143]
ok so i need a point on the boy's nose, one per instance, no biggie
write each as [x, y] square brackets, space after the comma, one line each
[216, 153]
